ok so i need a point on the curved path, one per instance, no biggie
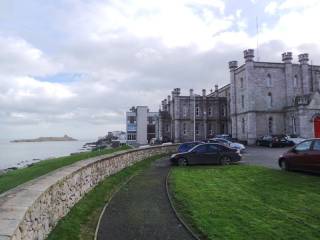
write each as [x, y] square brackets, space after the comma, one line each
[141, 210]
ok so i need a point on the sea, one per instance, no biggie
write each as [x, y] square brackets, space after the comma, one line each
[23, 154]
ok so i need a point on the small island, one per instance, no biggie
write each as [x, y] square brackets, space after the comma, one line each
[46, 139]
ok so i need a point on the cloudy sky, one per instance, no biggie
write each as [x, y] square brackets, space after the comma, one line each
[75, 66]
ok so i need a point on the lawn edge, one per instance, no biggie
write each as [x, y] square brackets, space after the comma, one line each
[176, 213]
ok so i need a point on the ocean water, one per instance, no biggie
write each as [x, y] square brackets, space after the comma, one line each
[21, 154]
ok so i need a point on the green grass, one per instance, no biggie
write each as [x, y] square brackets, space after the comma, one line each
[16, 177]
[81, 221]
[248, 202]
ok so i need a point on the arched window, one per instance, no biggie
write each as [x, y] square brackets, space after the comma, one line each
[241, 82]
[295, 81]
[269, 80]
[270, 100]
[197, 128]
[243, 126]
[270, 125]
[210, 111]
[242, 101]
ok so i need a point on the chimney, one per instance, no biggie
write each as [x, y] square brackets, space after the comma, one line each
[169, 98]
[303, 58]
[191, 92]
[233, 65]
[216, 88]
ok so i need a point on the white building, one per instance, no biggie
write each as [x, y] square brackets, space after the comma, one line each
[142, 125]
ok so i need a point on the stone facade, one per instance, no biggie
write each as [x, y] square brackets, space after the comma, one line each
[274, 98]
[31, 210]
[199, 117]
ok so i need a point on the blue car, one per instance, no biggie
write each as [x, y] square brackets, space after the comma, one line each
[185, 147]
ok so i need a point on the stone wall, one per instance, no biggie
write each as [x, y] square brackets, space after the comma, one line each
[31, 210]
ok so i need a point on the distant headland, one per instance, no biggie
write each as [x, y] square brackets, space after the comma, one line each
[46, 139]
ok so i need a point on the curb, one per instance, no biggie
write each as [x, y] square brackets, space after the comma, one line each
[193, 234]
[108, 201]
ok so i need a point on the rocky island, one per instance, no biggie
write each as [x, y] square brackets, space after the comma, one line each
[46, 139]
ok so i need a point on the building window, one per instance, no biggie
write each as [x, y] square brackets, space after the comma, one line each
[270, 125]
[269, 81]
[184, 129]
[242, 101]
[241, 82]
[167, 128]
[270, 103]
[185, 110]
[295, 81]
[131, 119]
[210, 111]
[294, 126]
[131, 137]
[197, 110]
[223, 110]
[243, 126]
[197, 128]
[210, 130]
[150, 120]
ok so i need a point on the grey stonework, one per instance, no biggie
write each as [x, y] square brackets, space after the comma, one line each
[273, 98]
[32, 210]
[177, 115]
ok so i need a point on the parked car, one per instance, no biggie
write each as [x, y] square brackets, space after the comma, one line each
[305, 156]
[228, 143]
[208, 153]
[185, 147]
[294, 139]
[272, 141]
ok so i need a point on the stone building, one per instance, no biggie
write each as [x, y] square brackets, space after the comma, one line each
[142, 125]
[185, 118]
[274, 98]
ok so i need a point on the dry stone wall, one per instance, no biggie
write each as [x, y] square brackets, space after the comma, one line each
[31, 210]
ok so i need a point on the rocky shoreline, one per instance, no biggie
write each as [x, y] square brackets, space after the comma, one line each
[46, 139]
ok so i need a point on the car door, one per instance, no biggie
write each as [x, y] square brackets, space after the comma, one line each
[299, 158]
[313, 159]
[212, 154]
[197, 155]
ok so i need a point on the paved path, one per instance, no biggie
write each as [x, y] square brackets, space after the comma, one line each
[141, 210]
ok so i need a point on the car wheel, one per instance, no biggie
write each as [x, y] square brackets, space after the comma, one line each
[225, 160]
[283, 165]
[270, 145]
[182, 162]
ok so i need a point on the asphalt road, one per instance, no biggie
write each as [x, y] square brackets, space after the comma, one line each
[263, 156]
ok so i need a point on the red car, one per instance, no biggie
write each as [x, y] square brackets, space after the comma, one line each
[305, 157]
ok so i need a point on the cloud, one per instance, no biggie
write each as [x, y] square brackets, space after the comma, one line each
[271, 8]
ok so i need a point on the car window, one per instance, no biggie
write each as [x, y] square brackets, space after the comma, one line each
[200, 149]
[304, 146]
[316, 146]
[213, 148]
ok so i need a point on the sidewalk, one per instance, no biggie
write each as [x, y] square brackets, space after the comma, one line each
[141, 210]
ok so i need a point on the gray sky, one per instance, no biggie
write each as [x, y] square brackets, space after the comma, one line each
[75, 66]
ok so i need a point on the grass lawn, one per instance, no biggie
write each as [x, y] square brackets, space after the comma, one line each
[82, 220]
[247, 202]
[16, 177]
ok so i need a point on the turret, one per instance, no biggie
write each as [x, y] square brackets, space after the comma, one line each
[204, 92]
[233, 65]
[191, 92]
[248, 55]
[303, 58]
[287, 57]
